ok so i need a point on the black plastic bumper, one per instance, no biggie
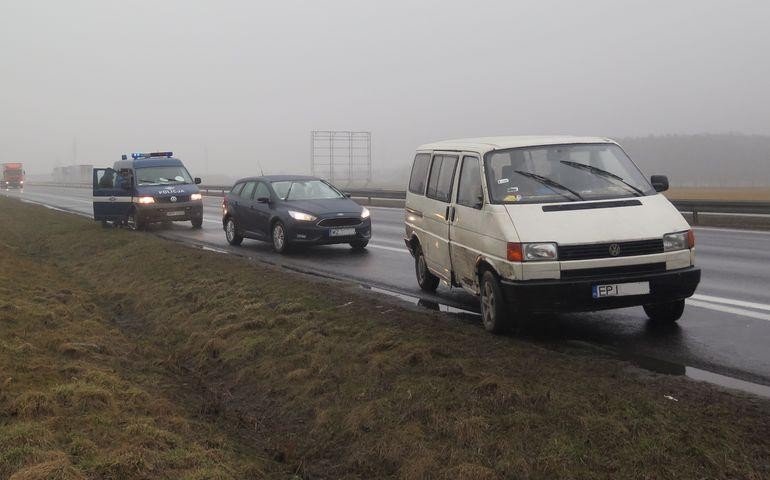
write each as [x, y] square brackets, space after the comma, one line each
[160, 212]
[577, 295]
[300, 233]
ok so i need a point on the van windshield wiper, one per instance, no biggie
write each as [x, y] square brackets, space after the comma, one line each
[549, 183]
[603, 174]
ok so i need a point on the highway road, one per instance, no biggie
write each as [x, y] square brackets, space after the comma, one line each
[725, 328]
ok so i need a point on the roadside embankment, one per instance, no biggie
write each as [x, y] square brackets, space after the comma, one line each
[123, 355]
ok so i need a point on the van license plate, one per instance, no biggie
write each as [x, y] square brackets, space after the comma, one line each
[342, 232]
[621, 289]
[174, 214]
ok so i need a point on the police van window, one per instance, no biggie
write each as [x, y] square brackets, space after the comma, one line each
[248, 189]
[419, 173]
[105, 178]
[261, 191]
[237, 188]
[171, 175]
[469, 187]
[441, 177]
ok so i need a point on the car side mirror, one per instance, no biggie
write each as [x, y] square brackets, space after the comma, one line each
[263, 200]
[347, 195]
[197, 180]
[659, 183]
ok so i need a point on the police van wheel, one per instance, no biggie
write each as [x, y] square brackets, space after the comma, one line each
[197, 223]
[280, 240]
[425, 279]
[134, 222]
[231, 233]
[494, 310]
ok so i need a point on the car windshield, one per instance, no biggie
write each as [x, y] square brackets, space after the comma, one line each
[558, 173]
[305, 190]
[162, 176]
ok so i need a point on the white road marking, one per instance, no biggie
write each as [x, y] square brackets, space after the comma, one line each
[730, 230]
[729, 301]
[727, 309]
[392, 249]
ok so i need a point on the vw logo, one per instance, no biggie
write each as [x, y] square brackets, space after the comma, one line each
[173, 199]
[340, 214]
[614, 250]
[112, 199]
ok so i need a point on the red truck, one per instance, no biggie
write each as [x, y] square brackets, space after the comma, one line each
[13, 176]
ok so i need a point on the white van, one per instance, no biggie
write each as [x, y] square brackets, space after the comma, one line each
[547, 224]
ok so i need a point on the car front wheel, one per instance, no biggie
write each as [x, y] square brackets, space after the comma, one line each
[280, 240]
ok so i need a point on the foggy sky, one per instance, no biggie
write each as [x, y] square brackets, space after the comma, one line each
[249, 80]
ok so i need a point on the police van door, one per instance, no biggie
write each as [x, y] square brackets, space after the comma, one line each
[111, 195]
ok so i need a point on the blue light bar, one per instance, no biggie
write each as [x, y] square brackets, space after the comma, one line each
[150, 155]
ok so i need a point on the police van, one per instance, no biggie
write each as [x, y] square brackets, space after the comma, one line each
[147, 188]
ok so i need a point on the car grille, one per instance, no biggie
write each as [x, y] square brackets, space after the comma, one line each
[602, 250]
[179, 198]
[340, 222]
[609, 272]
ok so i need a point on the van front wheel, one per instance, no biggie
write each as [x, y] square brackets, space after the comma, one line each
[427, 281]
[494, 311]
[665, 313]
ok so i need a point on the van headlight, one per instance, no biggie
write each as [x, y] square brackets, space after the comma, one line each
[678, 241]
[196, 196]
[305, 217]
[145, 200]
[365, 213]
[533, 252]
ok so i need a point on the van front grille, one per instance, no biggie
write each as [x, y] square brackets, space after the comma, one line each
[179, 199]
[609, 250]
[609, 272]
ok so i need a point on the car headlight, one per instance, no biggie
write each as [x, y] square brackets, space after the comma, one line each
[533, 252]
[678, 241]
[22, 182]
[196, 196]
[365, 213]
[305, 217]
[145, 200]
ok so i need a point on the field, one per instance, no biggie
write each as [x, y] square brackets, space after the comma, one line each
[739, 194]
[125, 356]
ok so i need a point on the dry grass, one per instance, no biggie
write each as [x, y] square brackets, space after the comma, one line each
[196, 365]
[742, 194]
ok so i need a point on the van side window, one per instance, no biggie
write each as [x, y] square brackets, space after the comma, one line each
[419, 173]
[248, 190]
[469, 189]
[442, 174]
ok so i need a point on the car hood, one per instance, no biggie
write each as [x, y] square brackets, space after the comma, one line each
[325, 206]
[652, 219]
[166, 190]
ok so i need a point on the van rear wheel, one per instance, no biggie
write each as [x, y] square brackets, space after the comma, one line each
[427, 281]
[494, 311]
[665, 313]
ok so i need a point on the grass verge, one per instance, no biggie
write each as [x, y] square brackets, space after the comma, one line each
[126, 356]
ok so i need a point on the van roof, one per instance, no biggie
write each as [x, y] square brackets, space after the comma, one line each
[148, 162]
[485, 144]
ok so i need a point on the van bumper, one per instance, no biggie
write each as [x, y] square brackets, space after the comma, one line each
[170, 212]
[577, 295]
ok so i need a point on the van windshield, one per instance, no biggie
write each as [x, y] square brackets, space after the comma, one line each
[146, 176]
[559, 173]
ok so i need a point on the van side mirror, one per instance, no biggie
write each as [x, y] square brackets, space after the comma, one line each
[659, 183]
[263, 200]
[479, 203]
[197, 180]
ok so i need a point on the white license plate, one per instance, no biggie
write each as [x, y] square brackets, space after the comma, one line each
[174, 214]
[342, 232]
[621, 289]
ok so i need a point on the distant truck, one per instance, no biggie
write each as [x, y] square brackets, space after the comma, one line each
[12, 175]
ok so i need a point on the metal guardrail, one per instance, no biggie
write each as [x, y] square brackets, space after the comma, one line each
[693, 207]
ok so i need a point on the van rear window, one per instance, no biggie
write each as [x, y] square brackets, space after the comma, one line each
[419, 173]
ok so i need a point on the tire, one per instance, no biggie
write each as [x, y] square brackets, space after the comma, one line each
[106, 224]
[425, 279]
[495, 314]
[359, 245]
[231, 232]
[665, 313]
[134, 221]
[197, 223]
[278, 234]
